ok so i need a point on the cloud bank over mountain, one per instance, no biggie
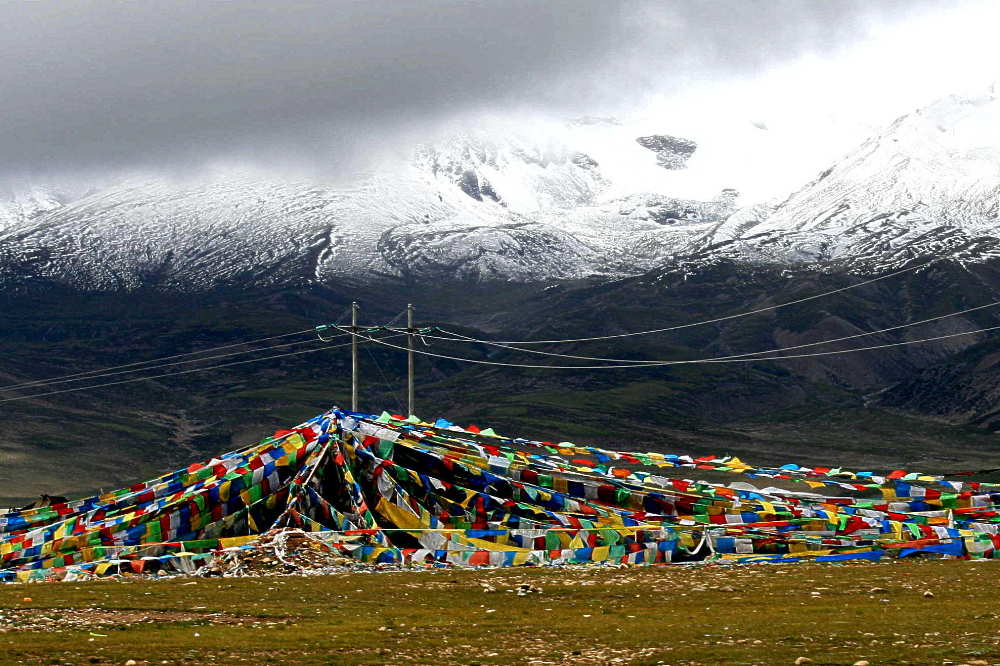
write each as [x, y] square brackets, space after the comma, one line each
[106, 87]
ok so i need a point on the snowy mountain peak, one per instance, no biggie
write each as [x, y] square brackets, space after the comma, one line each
[928, 184]
[500, 206]
[516, 173]
[19, 204]
[475, 206]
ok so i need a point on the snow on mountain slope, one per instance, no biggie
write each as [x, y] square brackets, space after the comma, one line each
[21, 204]
[498, 206]
[532, 177]
[471, 208]
[928, 185]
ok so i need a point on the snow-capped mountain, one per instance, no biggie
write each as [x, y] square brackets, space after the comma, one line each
[20, 204]
[928, 185]
[504, 207]
[470, 208]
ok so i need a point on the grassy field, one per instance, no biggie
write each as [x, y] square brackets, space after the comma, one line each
[764, 614]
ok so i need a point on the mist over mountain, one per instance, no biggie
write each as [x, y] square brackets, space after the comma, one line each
[487, 206]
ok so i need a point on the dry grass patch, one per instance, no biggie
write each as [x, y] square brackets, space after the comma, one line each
[765, 614]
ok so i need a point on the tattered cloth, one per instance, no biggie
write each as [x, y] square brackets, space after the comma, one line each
[388, 490]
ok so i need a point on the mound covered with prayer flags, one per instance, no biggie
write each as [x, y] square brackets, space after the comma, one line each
[403, 492]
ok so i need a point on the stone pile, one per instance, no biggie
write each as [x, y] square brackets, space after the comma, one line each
[286, 552]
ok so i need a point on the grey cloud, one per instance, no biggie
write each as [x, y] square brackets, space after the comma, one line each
[105, 85]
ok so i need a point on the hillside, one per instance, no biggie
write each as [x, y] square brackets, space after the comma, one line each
[806, 409]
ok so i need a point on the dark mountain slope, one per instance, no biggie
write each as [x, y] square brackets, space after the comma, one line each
[802, 409]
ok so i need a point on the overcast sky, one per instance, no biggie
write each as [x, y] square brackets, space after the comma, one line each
[106, 86]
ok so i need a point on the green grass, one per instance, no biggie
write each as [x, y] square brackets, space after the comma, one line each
[675, 615]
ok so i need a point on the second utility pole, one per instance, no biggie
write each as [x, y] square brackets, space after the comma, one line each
[354, 356]
[409, 359]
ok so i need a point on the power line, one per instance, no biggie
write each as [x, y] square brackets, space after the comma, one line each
[183, 372]
[686, 362]
[456, 337]
[164, 365]
[727, 317]
[385, 379]
[343, 314]
[465, 338]
[153, 360]
[137, 366]
[848, 351]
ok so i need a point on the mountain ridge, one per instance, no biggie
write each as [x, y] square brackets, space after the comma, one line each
[482, 207]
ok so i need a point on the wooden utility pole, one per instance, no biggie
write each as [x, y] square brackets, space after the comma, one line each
[409, 359]
[354, 356]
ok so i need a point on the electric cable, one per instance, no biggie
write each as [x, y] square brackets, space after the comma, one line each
[164, 365]
[102, 372]
[469, 339]
[727, 317]
[684, 362]
[153, 360]
[385, 379]
[181, 372]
